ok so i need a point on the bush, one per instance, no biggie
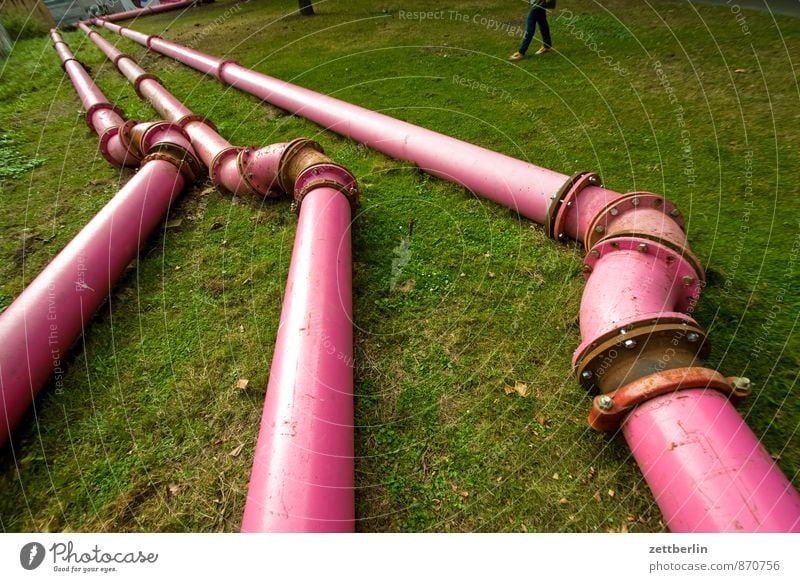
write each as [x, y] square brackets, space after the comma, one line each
[21, 25]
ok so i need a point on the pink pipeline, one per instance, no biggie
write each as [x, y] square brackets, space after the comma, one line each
[641, 350]
[147, 10]
[46, 319]
[302, 477]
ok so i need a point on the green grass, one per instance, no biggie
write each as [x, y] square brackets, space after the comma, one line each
[474, 301]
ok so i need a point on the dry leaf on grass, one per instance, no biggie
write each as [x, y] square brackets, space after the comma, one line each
[237, 451]
[519, 388]
[242, 383]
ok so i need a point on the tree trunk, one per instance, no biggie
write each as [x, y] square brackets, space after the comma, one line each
[306, 7]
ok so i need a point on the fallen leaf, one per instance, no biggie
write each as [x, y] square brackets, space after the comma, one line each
[241, 329]
[406, 286]
[216, 225]
[492, 275]
[597, 497]
[563, 501]
[611, 493]
[556, 477]
[521, 389]
[173, 488]
[237, 451]
[174, 223]
[541, 419]
[242, 383]
[740, 70]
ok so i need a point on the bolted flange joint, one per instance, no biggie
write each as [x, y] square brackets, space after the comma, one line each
[166, 141]
[304, 166]
[608, 410]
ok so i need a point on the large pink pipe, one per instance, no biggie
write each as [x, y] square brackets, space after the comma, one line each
[512, 183]
[163, 7]
[39, 327]
[706, 468]
[302, 479]
[524, 187]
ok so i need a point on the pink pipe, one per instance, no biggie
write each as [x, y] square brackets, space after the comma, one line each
[207, 143]
[627, 284]
[513, 183]
[302, 477]
[42, 323]
[163, 7]
[706, 468]
[101, 115]
[510, 182]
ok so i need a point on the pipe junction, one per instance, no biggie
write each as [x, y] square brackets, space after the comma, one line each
[641, 350]
[303, 476]
[46, 319]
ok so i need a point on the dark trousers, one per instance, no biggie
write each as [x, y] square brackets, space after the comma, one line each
[537, 15]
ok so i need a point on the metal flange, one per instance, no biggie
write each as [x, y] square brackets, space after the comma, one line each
[608, 410]
[564, 199]
[630, 202]
[639, 349]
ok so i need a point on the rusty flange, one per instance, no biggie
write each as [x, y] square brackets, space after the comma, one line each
[564, 199]
[608, 410]
[216, 165]
[327, 175]
[191, 117]
[684, 267]
[99, 106]
[222, 65]
[639, 349]
[630, 202]
[141, 79]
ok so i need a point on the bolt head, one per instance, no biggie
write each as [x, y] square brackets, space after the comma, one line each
[587, 269]
[674, 212]
[592, 180]
[629, 344]
[742, 383]
[595, 253]
[614, 211]
[586, 374]
[605, 402]
[642, 248]
[687, 280]
[636, 201]
[692, 337]
[600, 229]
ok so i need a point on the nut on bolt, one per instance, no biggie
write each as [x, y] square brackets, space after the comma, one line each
[629, 344]
[642, 248]
[605, 402]
[692, 337]
[587, 374]
[742, 384]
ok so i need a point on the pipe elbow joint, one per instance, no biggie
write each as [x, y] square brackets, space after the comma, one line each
[116, 146]
[304, 167]
[162, 140]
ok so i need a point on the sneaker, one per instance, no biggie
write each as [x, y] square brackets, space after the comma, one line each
[516, 56]
[544, 49]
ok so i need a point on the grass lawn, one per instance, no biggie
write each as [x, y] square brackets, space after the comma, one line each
[151, 433]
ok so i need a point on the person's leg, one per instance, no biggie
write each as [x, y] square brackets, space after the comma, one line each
[544, 26]
[529, 30]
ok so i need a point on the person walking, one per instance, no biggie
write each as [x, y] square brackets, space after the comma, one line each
[536, 15]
